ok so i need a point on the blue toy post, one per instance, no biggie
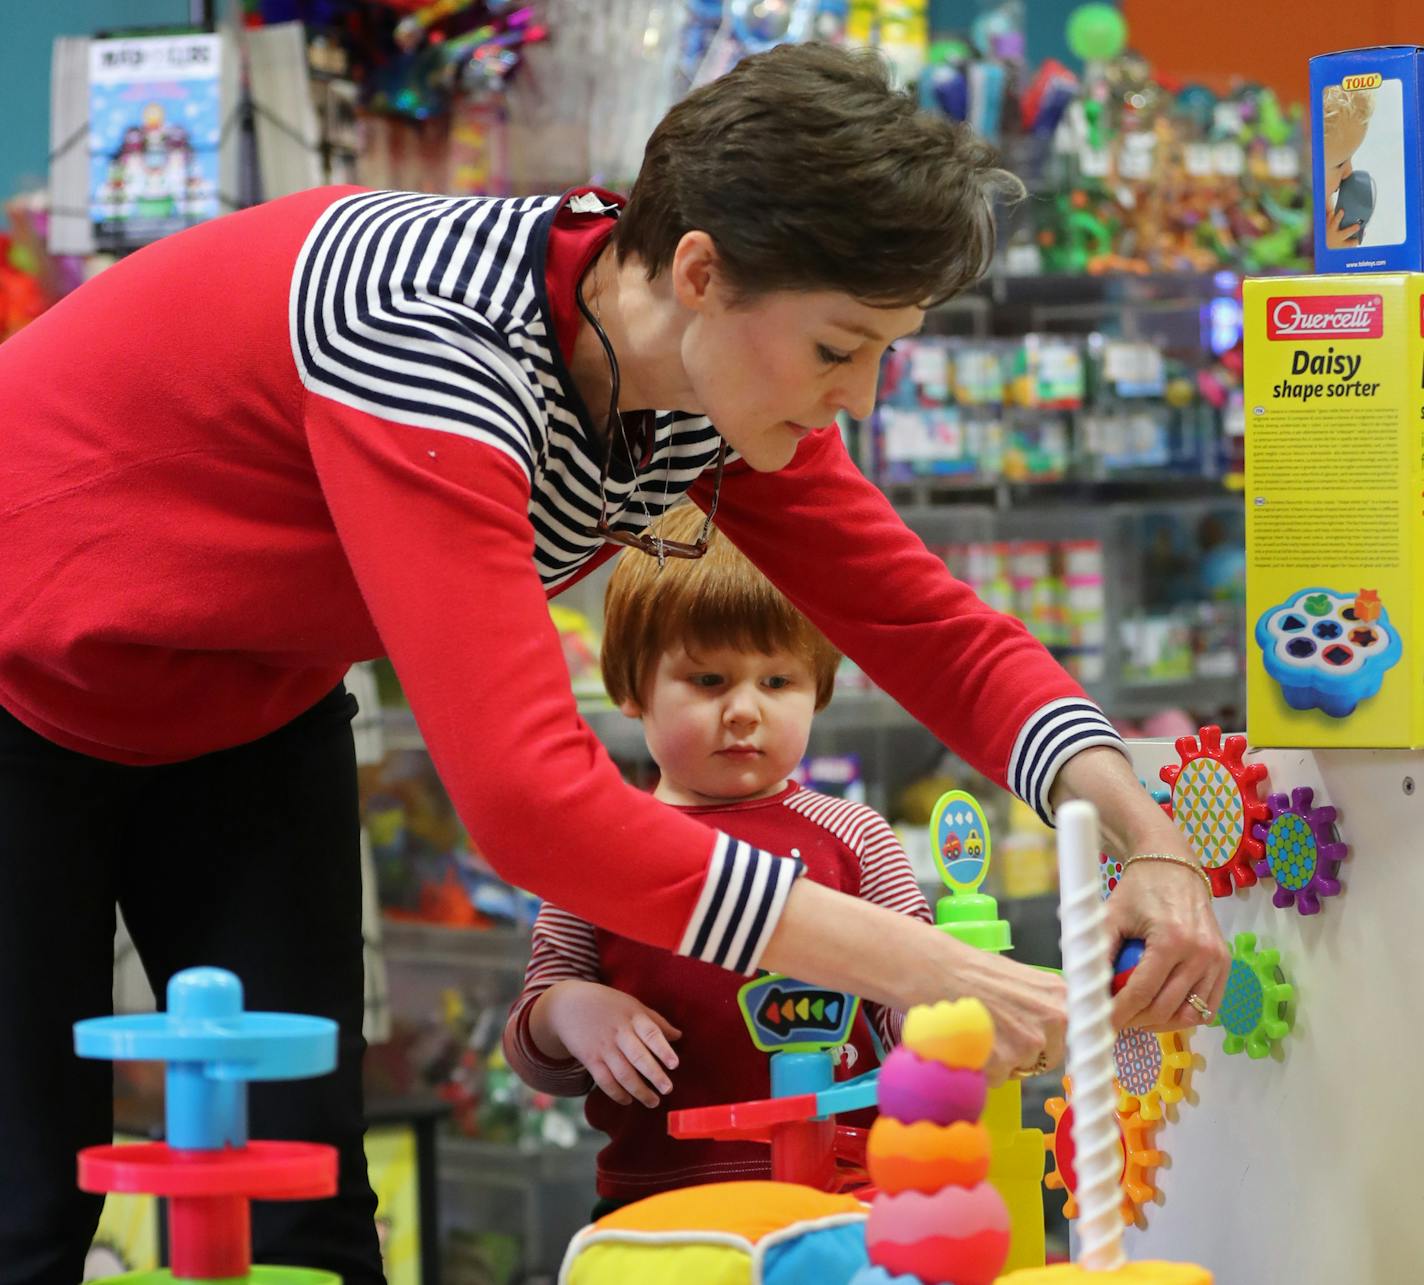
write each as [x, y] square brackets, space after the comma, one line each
[207, 1168]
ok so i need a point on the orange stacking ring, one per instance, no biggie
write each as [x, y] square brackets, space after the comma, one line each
[925, 1156]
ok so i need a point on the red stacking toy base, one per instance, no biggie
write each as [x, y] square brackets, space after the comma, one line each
[749, 1121]
[209, 1193]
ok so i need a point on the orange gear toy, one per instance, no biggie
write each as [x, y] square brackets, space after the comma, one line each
[1151, 1071]
[1139, 1158]
[1216, 802]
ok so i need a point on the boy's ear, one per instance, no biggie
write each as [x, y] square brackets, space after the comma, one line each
[630, 708]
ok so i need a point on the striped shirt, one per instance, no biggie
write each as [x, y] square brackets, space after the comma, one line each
[360, 438]
[453, 335]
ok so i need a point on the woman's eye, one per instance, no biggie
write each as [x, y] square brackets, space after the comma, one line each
[830, 356]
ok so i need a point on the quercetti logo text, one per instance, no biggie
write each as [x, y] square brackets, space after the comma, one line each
[1325, 316]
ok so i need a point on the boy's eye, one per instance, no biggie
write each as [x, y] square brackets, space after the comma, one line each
[830, 356]
[706, 680]
[777, 681]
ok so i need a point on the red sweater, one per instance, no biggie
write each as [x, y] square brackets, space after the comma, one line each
[844, 846]
[339, 426]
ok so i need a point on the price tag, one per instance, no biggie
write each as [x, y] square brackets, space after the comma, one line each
[1197, 159]
[1229, 159]
[1137, 156]
[1283, 162]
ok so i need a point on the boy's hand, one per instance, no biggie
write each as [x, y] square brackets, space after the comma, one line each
[1340, 238]
[621, 1042]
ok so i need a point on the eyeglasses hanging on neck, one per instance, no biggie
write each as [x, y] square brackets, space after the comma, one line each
[653, 545]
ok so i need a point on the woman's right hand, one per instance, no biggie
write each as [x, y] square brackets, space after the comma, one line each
[839, 941]
[1029, 1007]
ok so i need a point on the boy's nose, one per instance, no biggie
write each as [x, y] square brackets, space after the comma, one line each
[741, 708]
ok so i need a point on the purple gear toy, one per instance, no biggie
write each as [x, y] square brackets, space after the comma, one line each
[1303, 851]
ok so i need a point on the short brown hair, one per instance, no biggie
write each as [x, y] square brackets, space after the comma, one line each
[719, 600]
[811, 171]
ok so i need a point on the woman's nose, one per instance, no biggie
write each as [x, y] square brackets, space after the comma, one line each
[857, 395]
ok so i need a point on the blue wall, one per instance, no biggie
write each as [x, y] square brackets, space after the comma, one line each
[27, 30]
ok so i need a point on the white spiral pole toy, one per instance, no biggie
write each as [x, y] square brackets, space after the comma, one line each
[1098, 1158]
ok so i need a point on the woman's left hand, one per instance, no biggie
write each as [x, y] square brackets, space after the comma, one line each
[1169, 907]
[1166, 904]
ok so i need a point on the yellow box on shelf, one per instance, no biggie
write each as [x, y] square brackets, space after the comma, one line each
[1334, 510]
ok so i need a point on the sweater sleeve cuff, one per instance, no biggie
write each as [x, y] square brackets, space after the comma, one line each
[741, 902]
[566, 1078]
[1050, 737]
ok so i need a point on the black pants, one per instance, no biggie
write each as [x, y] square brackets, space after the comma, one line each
[247, 859]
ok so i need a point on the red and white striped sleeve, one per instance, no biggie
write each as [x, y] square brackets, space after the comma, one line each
[563, 949]
[885, 875]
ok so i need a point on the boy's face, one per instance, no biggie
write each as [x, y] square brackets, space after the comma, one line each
[725, 724]
[1341, 142]
[770, 370]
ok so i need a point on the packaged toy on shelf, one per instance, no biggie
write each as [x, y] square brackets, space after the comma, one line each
[1334, 525]
[1365, 115]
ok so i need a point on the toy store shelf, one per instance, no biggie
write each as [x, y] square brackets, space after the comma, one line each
[934, 501]
[1201, 695]
[438, 946]
[501, 1164]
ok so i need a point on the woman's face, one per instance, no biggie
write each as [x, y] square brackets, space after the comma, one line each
[769, 370]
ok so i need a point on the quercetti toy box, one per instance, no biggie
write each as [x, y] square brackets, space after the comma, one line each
[1335, 510]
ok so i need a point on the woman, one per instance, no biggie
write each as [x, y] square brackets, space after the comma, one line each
[348, 424]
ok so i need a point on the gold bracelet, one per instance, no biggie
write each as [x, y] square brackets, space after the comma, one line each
[1173, 859]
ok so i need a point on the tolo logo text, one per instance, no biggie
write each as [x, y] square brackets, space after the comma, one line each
[1368, 80]
[1326, 316]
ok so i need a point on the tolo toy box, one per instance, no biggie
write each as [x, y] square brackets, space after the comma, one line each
[1335, 510]
[1365, 109]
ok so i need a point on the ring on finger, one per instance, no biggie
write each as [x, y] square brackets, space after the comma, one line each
[1198, 1003]
[1038, 1068]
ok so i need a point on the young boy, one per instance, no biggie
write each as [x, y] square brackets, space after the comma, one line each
[725, 675]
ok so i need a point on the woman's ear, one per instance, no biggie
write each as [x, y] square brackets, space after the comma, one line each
[630, 708]
[695, 271]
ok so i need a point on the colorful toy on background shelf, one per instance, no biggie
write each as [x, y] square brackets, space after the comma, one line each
[207, 1168]
[1096, 32]
[1151, 1071]
[960, 839]
[934, 1217]
[1328, 650]
[1216, 804]
[1135, 1158]
[1257, 1009]
[1303, 851]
